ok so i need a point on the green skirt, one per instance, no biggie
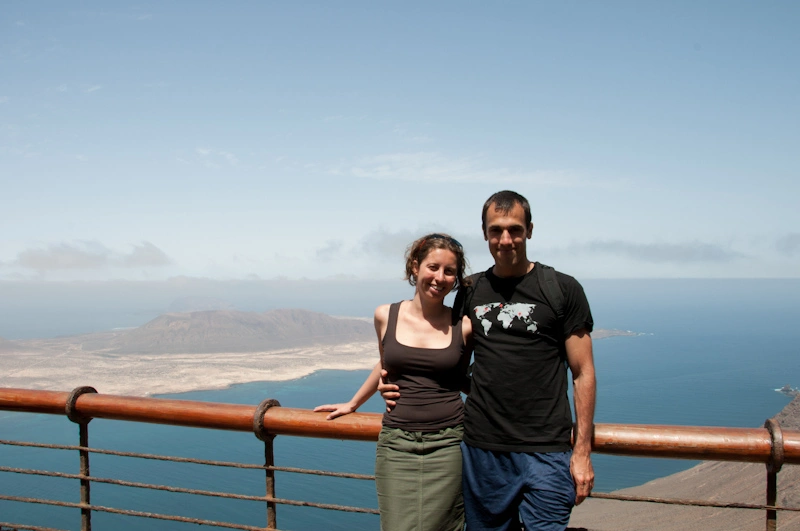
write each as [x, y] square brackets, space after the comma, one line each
[418, 478]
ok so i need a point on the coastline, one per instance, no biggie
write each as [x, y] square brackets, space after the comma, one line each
[157, 374]
[62, 364]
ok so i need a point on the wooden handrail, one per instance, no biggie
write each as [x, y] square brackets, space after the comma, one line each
[641, 440]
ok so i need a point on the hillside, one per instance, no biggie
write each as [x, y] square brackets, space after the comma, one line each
[717, 481]
[233, 331]
[209, 332]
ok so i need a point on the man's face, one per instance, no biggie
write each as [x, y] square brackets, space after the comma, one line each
[506, 234]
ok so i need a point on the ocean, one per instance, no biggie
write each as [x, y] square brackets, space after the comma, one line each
[706, 353]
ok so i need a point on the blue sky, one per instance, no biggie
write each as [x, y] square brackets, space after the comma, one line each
[153, 140]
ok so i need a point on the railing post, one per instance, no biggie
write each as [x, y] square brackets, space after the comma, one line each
[269, 458]
[773, 467]
[83, 430]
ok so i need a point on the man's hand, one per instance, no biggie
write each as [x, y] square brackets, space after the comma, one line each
[580, 466]
[389, 392]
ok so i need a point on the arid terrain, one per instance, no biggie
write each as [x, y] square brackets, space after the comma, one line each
[191, 351]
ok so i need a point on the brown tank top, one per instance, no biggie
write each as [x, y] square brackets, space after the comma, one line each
[430, 380]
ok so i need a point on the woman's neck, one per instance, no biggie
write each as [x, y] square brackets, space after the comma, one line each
[428, 310]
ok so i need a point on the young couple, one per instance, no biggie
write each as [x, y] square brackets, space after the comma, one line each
[505, 455]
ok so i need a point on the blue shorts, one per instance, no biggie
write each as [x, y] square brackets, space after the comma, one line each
[502, 487]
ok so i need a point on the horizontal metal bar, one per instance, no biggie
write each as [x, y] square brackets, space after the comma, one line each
[695, 503]
[181, 490]
[693, 442]
[679, 442]
[126, 512]
[26, 527]
[236, 417]
[174, 459]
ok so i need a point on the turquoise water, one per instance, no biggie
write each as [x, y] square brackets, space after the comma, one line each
[711, 353]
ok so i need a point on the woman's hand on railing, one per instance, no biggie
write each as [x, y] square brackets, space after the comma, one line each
[337, 410]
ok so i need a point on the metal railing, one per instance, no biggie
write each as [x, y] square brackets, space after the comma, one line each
[770, 445]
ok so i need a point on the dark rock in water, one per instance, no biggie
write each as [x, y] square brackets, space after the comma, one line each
[711, 480]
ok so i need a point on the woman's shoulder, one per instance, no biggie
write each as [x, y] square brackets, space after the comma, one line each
[382, 313]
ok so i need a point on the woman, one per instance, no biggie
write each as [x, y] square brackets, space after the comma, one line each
[418, 460]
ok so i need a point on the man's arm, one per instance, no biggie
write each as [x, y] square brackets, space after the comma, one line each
[581, 363]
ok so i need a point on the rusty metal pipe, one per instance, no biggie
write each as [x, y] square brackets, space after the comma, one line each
[684, 442]
[678, 442]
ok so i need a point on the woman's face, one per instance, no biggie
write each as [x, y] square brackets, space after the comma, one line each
[437, 273]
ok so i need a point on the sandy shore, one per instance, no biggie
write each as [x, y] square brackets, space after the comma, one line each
[144, 375]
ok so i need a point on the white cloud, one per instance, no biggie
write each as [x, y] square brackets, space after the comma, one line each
[433, 166]
[789, 245]
[684, 252]
[3, 99]
[230, 157]
[331, 250]
[210, 157]
[93, 88]
[144, 255]
[88, 255]
[392, 246]
[80, 255]
[62, 87]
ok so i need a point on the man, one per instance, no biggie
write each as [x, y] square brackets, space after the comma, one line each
[517, 457]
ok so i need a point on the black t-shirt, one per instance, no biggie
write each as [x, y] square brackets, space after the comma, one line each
[518, 398]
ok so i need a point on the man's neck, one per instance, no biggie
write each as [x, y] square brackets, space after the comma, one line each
[517, 270]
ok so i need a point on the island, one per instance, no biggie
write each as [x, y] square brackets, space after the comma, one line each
[201, 350]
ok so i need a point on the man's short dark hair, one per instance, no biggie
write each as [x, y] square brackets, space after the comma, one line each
[504, 201]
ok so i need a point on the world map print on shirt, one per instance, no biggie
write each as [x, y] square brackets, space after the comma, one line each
[509, 313]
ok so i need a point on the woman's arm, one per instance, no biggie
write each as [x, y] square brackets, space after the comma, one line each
[370, 385]
[364, 393]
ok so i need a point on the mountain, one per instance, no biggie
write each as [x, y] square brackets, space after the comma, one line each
[232, 331]
[199, 304]
[710, 480]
